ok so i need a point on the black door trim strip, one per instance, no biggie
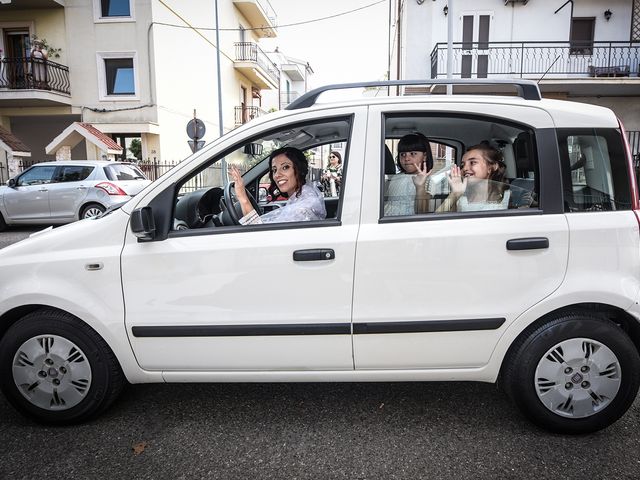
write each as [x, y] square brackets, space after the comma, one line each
[242, 330]
[317, 328]
[428, 326]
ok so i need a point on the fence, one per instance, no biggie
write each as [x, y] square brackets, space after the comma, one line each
[25, 73]
[482, 59]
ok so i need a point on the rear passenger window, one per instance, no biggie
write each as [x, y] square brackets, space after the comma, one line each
[73, 173]
[438, 164]
[595, 170]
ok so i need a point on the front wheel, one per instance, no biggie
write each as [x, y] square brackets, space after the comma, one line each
[575, 374]
[56, 369]
[92, 210]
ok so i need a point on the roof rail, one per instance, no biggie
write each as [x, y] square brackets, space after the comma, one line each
[527, 89]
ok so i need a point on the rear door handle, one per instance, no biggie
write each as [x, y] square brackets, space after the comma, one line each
[532, 243]
[314, 255]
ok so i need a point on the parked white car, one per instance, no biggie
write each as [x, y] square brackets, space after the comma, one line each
[541, 295]
[62, 192]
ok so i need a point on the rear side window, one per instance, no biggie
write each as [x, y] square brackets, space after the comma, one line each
[121, 171]
[456, 163]
[595, 171]
[72, 173]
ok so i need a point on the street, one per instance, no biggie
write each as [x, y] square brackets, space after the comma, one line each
[322, 430]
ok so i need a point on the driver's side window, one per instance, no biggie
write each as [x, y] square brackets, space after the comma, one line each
[208, 197]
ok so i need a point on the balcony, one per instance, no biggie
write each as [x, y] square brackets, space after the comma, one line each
[287, 97]
[256, 66]
[33, 82]
[577, 67]
[245, 114]
[294, 71]
[260, 15]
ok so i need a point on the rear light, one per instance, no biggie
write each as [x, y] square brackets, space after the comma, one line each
[110, 188]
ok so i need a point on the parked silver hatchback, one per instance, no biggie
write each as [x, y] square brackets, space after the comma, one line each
[62, 192]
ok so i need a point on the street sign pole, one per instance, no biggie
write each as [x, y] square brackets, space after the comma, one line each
[223, 163]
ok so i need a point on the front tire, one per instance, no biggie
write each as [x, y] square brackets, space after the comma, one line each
[578, 373]
[56, 369]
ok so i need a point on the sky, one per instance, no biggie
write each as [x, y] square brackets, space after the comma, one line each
[348, 48]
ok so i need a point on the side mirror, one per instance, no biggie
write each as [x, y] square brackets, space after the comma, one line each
[263, 195]
[143, 225]
[11, 183]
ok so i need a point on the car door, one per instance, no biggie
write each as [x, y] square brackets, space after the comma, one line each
[437, 290]
[68, 190]
[29, 198]
[239, 298]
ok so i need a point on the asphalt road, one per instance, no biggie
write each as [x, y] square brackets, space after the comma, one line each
[316, 431]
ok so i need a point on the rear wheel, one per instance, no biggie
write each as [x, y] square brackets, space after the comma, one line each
[575, 374]
[92, 210]
[56, 369]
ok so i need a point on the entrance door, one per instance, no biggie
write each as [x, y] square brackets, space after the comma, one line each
[475, 43]
[16, 61]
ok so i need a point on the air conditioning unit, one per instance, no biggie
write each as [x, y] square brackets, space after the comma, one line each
[523, 2]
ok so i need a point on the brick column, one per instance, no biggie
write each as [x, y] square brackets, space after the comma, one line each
[63, 153]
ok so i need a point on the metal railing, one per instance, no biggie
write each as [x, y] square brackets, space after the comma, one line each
[526, 59]
[269, 11]
[287, 97]
[251, 52]
[28, 73]
[247, 113]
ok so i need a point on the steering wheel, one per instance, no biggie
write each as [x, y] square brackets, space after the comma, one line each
[230, 205]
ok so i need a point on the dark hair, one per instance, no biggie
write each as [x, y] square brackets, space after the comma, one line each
[300, 167]
[493, 156]
[415, 142]
[338, 156]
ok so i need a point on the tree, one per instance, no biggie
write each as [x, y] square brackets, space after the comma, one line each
[136, 148]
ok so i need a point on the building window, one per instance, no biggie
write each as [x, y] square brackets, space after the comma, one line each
[118, 76]
[115, 8]
[119, 73]
[582, 35]
[113, 11]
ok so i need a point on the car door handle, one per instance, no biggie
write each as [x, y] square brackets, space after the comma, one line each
[81, 187]
[532, 243]
[314, 255]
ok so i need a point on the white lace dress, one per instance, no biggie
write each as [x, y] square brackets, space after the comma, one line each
[308, 206]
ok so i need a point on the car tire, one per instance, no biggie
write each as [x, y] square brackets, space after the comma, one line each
[91, 210]
[56, 369]
[574, 374]
[3, 224]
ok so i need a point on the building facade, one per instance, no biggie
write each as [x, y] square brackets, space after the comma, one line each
[586, 51]
[137, 70]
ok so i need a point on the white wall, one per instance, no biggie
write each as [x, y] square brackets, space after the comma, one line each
[425, 25]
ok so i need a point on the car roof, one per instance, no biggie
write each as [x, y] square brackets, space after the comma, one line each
[86, 163]
[509, 92]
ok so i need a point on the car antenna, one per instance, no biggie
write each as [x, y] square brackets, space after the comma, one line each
[547, 70]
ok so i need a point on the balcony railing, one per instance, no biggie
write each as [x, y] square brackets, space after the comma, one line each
[534, 59]
[34, 73]
[287, 97]
[250, 52]
[244, 114]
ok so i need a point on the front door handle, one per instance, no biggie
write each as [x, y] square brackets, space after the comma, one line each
[314, 255]
[532, 243]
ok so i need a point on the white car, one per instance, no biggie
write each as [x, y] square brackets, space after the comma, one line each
[541, 295]
[62, 192]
